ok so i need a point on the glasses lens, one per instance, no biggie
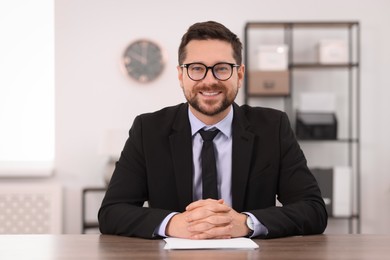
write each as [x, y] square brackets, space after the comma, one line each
[222, 71]
[196, 71]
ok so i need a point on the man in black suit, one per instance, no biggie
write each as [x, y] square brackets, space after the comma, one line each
[257, 159]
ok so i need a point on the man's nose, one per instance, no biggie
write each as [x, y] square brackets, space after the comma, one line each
[210, 76]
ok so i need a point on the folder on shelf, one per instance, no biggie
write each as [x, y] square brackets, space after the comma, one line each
[336, 189]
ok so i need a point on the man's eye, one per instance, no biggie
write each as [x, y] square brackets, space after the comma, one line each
[222, 69]
[197, 68]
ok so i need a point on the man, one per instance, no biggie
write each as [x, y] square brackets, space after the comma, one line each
[257, 159]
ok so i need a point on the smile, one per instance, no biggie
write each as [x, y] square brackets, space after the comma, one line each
[209, 93]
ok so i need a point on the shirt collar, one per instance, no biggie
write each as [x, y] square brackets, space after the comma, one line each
[225, 125]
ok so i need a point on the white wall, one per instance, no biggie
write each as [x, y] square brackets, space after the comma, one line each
[93, 95]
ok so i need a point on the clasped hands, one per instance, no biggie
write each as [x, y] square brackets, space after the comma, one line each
[208, 219]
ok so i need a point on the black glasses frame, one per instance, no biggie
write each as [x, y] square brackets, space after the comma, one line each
[232, 65]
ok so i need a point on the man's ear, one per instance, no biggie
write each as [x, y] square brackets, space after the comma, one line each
[180, 75]
[241, 75]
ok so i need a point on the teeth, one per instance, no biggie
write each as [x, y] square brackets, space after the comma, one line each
[209, 93]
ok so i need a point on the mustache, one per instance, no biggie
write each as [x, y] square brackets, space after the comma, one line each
[209, 87]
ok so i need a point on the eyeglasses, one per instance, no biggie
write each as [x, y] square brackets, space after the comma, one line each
[198, 71]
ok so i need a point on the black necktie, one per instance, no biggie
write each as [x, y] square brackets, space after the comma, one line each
[209, 170]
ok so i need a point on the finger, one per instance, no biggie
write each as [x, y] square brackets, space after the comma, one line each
[211, 215]
[209, 223]
[199, 227]
[199, 214]
[214, 233]
[201, 203]
[212, 206]
[200, 236]
[218, 220]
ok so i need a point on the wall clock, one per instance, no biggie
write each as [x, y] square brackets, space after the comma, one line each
[144, 60]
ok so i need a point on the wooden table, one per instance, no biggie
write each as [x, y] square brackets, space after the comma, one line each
[52, 247]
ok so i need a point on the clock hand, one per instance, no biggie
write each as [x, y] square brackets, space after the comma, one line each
[143, 50]
[138, 57]
[144, 60]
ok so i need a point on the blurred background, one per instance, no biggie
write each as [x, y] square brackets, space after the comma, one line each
[70, 118]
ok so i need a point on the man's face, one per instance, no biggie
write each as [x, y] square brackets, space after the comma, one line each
[210, 97]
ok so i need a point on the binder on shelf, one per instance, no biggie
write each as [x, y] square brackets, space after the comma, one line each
[335, 185]
[324, 177]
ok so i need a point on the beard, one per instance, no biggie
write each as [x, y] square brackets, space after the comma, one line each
[211, 108]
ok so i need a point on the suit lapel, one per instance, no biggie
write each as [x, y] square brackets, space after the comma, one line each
[241, 157]
[181, 146]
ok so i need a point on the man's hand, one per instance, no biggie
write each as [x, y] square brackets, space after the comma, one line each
[178, 226]
[208, 219]
[189, 224]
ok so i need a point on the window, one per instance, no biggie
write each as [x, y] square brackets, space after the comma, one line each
[26, 87]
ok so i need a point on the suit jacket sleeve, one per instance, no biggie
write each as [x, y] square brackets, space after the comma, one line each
[303, 211]
[121, 212]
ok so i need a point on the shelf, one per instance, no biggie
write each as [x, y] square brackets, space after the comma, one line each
[266, 96]
[88, 224]
[341, 140]
[323, 66]
[345, 217]
[303, 24]
[306, 75]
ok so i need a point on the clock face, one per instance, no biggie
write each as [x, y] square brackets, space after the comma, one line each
[143, 60]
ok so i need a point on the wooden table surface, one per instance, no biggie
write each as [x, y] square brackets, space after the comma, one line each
[115, 247]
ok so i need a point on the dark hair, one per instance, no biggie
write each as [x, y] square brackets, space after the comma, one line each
[210, 31]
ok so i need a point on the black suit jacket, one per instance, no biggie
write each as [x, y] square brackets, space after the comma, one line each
[156, 166]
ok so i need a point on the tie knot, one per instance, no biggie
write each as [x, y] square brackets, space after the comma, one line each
[208, 135]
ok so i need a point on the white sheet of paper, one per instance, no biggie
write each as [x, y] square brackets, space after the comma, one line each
[233, 243]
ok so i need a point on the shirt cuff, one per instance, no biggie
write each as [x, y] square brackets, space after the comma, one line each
[259, 228]
[160, 230]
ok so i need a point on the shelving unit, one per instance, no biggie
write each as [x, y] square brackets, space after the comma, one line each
[91, 199]
[306, 74]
